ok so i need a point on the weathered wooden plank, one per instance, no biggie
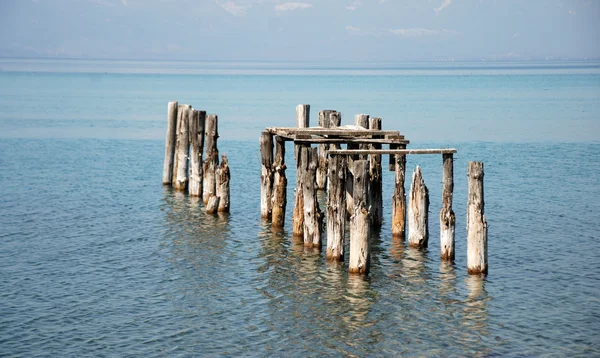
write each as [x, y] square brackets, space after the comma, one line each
[341, 131]
[313, 216]
[391, 151]
[212, 158]
[447, 218]
[477, 228]
[196, 133]
[302, 121]
[182, 151]
[359, 260]
[336, 208]
[223, 177]
[266, 174]
[399, 197]
[170, 142]
[279, 186]
[375, 179]
[418, 212]
[321, 175]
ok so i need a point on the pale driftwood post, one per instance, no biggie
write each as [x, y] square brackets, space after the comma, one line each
[196, 132]
[223, 177]
[322, 165]
[375, 177]
[170, 143]
[302, 121]
[183, 146]
[335, 120]
[212, 205]
[266, 174]
[360, 120]
[359, 221]
[180, 109]
[313, 217]
[212, 157]
[477, 259]
[447, 218]
[336, 209]
[399, 197]
[418, 212]
[279, 186]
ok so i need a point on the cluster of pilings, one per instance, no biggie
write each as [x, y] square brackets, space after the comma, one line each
[184, 168]
[353, 180]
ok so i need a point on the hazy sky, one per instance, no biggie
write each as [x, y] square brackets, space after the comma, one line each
[338, 30]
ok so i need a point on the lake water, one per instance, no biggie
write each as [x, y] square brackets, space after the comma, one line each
[98, 259]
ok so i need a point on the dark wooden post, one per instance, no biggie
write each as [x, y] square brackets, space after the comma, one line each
[313, 217]
[359, 221]
[477, 258]
[399, 197]
[322, 165]
[212, 157]
[196, 132]
[170, 143]
[302, 121]
[360, 120]
[336, 208]
[266, 174]
[418, 212]
[279, 186]
[223, 177]
[447, 218]
[375, 177]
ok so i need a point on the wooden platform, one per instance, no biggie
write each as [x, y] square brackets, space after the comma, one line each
[390, 151]
[341, 135]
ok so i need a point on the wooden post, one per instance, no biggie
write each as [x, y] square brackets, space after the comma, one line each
[313, 217]
[279, 186]
[322, 165]
[196, 132]
[223, 177]
[399, 198]
[212, 205]
[180, 110]
[360, 120]
[418, 212]
[477, 259]
[170, 143]
[359, 221]
[447, 218]
[212, 157]
[183, 146]
[335, 120]
[375, 178]
[336, 209]
[302, 121]
[266, 174]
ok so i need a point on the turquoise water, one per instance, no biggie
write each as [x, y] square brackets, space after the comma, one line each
[97, 258]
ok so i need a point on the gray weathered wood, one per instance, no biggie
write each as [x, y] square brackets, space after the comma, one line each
[352, 132]
[447, 218]
[196, 133]
[223, 177]
[313, 217]
[212, 205]
[390, 151]
[279, 201]
[180, 110]
[182, 151]
[375, 179]
[336, 209]
[302, 121]
[266, 174]
[399, 198]
[212, 157]
[359, 260]
[477, 258]
[322, 164]
[418, 212]
[335, 119]
[362, 120]
[170, 143]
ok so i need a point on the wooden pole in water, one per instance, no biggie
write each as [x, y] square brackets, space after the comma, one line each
[223, 177]
[313, 217]
[302, 121]
[418, 212]
[375, 180]
[279, 186]
[266, 174]
[180, 110]
[360, 120]
[477, 258]
[399, 198]
[447, 218]
[212, 206]
[183, 147]
[212, 157]
[322, 165]
[170, 143]
[336, 209]
[359, 221]
[196, 132]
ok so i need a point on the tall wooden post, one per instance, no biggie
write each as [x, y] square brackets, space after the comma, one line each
[359, 221]
[302, 121]
[196, 132]
[418, 212]
[313, 217]
[180, 111]
[477, 258]
[360, 120]
[170, 142]
[183, 146]
[279, 186]
[399, 198]
[336, 209]
[223, 177]
[266, 174]
[375, 180]
[212, 157]
[447, 218]
[322, 165]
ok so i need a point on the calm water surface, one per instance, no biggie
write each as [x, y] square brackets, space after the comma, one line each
[98, 259]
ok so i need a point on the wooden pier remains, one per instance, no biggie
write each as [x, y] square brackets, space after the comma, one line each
[353, 180]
